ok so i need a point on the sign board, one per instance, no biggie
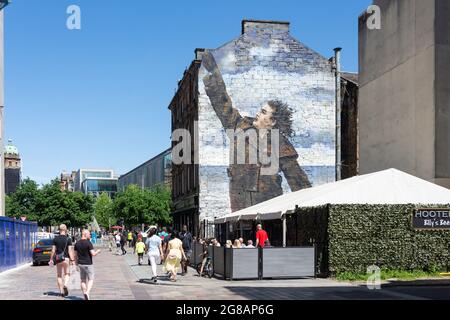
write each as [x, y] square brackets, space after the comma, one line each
[431, 219]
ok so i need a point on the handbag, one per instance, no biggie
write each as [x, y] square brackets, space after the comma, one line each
[61, 257]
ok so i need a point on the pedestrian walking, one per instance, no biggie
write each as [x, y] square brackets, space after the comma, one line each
[93, 236]
[186, 239]
[134, 241]
[84, 251]
[154, 251]
[140, 250]
[123, 242]
[174, 255]
[163, 234]
[130, 239]
[111, 242]
[165, 241]
[118, 239]
[62, 256]
[261, 237]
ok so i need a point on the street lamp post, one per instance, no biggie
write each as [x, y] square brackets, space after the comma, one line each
[3, 4]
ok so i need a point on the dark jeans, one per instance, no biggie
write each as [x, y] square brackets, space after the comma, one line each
[122, 245]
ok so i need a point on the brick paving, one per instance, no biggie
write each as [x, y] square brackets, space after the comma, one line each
[121, 278]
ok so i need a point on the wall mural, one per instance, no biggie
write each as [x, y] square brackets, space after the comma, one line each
[264, 93]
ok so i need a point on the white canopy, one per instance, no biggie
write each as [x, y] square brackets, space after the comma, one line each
[385, 187]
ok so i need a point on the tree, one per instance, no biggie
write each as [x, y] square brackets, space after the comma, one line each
[137, 206]
[80, 208]
[159, 201]
[50, 206]
[25, 201]
[103, 210]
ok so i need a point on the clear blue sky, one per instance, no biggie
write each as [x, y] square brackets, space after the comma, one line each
[97, 97]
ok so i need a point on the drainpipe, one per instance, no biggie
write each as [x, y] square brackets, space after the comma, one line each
[337, 62]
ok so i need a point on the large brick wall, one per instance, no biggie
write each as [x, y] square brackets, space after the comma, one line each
[267, 63]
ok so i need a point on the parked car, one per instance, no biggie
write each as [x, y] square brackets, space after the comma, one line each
[42, 251]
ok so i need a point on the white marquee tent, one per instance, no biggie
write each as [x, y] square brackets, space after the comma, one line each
[385, 187]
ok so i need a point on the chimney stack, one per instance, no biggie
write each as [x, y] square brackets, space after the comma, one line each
[255, 26]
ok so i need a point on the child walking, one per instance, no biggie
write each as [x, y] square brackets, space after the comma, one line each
[140, 249]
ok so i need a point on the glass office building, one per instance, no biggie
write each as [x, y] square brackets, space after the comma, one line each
[96, 182]
[156, 171]
[97, 186]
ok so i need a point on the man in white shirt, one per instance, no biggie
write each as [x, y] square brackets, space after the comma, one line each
[241, 240]
[250, 245]
[118, 250]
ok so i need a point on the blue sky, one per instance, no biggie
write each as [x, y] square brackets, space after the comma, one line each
[97, 97]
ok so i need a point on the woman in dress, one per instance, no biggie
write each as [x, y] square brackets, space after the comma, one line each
[174, 254]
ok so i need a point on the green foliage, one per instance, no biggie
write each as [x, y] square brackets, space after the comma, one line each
[136, 206]
[350, 238]
[382, 235]
[25, 201]
[50, 206]
[103, 210]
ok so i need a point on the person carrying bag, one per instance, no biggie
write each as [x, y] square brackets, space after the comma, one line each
[61, 254]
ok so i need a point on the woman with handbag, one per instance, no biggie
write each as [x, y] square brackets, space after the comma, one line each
[62, 256]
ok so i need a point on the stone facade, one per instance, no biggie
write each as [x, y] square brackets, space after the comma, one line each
[265, 63]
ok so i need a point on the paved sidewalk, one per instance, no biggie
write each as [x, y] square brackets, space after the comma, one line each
[121, 278]
[192, 287]
[113, 280]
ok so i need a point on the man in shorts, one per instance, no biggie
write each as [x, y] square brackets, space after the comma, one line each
[84, 252]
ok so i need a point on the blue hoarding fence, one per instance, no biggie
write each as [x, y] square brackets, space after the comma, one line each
[17, 239]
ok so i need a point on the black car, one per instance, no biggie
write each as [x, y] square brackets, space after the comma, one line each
[42, 251]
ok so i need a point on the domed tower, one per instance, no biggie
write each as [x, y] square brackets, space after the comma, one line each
[12, 168]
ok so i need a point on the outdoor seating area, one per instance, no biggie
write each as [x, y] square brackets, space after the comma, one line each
[332, 216]
[257, 263]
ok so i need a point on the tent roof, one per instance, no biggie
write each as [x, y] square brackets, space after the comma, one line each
[385, 187]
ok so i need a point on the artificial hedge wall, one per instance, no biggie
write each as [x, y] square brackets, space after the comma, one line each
[349, 238]
[309, 227]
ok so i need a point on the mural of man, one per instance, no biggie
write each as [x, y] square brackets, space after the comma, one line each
[247, 185]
